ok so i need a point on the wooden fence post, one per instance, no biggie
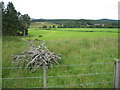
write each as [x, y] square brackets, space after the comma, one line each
[117, 74]
[44, 75]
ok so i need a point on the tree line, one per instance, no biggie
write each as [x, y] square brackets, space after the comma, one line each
[81, 23]
[13, 22]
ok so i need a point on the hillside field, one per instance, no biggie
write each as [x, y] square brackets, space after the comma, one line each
[75, 48]
[41, 24]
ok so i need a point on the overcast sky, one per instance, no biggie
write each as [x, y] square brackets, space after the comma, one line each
[68, 9]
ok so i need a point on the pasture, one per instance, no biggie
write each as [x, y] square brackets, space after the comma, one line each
[75, 48]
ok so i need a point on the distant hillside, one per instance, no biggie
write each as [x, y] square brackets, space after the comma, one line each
[42, 24]
[71, 23]
[107, 20]
[59, 21]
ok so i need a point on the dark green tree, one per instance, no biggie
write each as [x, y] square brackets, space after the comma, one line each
[13, 23]
[3, 17]
[44, 26]
[24, 21]
[10, 20]
[53, 26]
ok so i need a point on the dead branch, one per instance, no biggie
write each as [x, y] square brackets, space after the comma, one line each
[35, 56]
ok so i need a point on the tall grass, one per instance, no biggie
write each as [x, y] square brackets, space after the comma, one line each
[75, 48]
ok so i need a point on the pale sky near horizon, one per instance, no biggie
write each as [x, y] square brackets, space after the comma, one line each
[68, 9]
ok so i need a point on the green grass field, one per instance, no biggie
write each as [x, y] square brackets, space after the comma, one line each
[80, 29]
[89, 29]
[75, 48]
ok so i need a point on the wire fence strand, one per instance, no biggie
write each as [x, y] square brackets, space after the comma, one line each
[92, 74]
[22, 78]
[61, 75]
[82, 64]
[75, 84]
[82, 84]
[83, 74]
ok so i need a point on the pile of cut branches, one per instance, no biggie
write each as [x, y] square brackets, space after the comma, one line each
[36, 56]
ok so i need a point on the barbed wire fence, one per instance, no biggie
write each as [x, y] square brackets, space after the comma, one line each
[116, 75]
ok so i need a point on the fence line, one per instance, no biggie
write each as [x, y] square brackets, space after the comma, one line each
[82, 64]
[83, 84]
[82, 74]
[76, 84]
[45, 77]
[61, 76]
[22, 78]
[59, 65]
[117, 74]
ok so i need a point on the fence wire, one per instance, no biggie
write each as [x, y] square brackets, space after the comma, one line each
[82, 74]
[82, 64]
[59, 65]
[22, 78]
[61, 75]
[76, 84]
[103, 73]
[82, 84]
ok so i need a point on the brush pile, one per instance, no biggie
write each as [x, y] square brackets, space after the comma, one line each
[36, 56]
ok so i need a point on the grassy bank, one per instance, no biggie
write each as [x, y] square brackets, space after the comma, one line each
[75, 48]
